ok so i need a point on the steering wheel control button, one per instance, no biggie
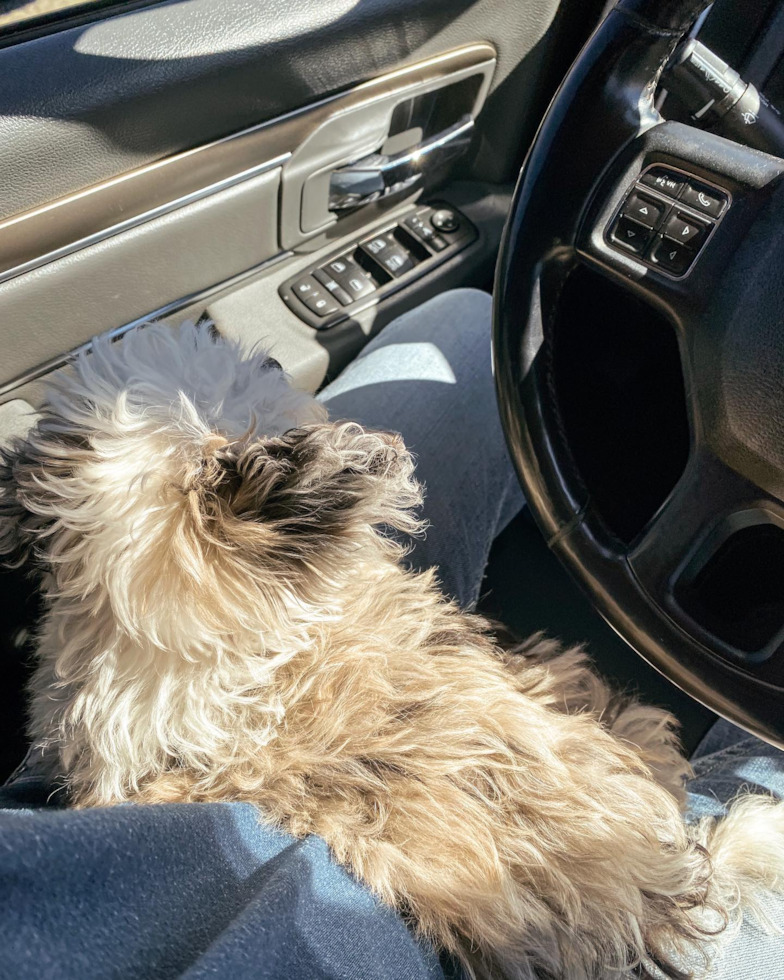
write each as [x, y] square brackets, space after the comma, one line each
[669, 182]
[445, 220]
[349, 276]
[644, 209]
[685, 230]
[631, 235]
[704, 199]
[333, 286]
[671, 256]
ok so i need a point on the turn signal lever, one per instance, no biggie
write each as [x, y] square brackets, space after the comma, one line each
[721, 100]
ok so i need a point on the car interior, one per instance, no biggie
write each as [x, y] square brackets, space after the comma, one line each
[301, 174]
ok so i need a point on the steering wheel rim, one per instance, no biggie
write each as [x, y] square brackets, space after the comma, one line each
[600, 132]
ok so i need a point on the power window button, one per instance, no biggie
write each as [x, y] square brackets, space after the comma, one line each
[389, 253]
[349, 276]
[333, 286]
[304, 287]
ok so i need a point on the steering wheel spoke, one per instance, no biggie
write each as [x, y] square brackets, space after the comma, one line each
[701, 545]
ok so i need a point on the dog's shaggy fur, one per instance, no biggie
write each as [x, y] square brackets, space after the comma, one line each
[228, 619]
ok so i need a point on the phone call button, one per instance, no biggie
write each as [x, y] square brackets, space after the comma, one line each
[704, 199]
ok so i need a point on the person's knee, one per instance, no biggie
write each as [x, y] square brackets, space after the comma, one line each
[457, 323]
[456, 315]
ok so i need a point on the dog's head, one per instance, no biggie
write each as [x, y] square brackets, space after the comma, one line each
[174, 482]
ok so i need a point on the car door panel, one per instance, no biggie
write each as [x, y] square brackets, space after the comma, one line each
[110, 254]
[131, 187]
[333, 131]
[54, 308]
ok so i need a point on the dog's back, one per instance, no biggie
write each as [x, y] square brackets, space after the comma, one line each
[229, 619]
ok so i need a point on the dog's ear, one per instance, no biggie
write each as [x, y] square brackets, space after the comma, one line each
[323, 488]
[12, 514]
[24, 494]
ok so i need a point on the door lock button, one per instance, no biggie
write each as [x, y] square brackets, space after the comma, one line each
[644, 209]
[632, 235]
[304, 287]
[680, 227]
[420, 227]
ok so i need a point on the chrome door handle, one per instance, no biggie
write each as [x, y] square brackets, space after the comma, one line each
[377, 175]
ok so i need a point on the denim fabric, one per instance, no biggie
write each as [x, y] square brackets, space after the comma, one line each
[192, 891]
[729, 761]
[429, 376]
[207, 891]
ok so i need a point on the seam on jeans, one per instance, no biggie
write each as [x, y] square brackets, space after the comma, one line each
[717, 759]
[510, 480]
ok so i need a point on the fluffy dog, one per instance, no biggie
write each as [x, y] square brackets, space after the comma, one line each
[229, 619]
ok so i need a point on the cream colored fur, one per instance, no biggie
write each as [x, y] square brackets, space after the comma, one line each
[228, 619]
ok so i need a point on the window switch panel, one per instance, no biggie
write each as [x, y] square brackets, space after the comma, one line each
[367, 271]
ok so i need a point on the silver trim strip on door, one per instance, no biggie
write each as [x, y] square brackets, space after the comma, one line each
[140, 219]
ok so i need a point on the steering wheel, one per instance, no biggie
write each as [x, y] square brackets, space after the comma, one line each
[601, 141]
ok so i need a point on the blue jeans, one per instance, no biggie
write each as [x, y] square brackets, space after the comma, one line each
[202, 890]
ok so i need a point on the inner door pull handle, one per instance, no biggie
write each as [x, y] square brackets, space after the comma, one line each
[377, 175]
